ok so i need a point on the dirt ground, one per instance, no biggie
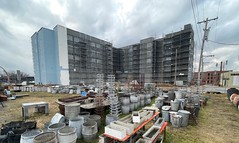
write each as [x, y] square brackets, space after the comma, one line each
[13, 111]
[217, 121]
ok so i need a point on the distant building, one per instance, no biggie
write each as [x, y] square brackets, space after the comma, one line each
[209, 77]
[64, 56]
[230, 79]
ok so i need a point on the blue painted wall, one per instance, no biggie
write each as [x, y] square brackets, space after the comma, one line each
[44, 56]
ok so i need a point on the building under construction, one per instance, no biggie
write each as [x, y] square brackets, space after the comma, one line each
[64, 56]
[164, 60]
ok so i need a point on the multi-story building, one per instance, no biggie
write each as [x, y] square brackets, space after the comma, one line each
[210, 78]
[164, 60]
[65, 56]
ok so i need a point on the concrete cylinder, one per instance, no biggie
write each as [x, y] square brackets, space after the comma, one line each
[84, 115]
[55, 127]
[67, 135]
[28, 136]
[72, 110]
[47, 137]
[131, 106]
[89, 131]
[110, 118]
[125, 100]
[95, 118]
[125, 109]
[77, 123]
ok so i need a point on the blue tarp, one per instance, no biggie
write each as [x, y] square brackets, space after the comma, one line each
[83, 93]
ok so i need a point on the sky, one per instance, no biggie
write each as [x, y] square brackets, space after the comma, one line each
[122, 22]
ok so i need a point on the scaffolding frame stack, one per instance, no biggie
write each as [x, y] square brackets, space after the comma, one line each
[114, 102]
[99, 98]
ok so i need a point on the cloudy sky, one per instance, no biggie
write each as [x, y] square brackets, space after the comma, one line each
[121, 22]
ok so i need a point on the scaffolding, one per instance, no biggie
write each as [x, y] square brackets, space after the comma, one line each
[114, 102]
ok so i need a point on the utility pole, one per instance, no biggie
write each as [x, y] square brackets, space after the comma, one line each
[205, 37]
[175, 70]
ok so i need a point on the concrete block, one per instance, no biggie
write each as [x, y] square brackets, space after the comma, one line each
[141, 140]
[128, 125]
[151, 133]
[155, 109]
[125, 119]
[116, 126]
[149, 114]
[159, 122]
[119, 133]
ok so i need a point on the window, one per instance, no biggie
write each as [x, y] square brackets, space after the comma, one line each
[76, 39]
[149, 45]
[69, 37]
[149, 60]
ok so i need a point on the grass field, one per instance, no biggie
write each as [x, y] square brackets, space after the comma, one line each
[218, 121]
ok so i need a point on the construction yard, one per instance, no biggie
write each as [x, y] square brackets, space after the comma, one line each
[217, 121]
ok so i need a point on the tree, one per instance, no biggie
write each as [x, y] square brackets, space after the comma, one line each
[13, 76]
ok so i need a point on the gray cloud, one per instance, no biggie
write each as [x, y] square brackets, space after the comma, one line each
[116, 22]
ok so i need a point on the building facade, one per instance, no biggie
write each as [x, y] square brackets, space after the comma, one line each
[64, 56]
[164, 60]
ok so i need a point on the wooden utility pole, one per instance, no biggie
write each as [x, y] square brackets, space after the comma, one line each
[175, 70]
[205, 37]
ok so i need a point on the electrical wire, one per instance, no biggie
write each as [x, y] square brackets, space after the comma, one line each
[200, 29]
[222, 43]
[217, 19]
[195, 20]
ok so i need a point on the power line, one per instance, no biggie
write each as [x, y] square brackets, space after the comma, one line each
[217, 19]
[195, 20]
[198, 18]
[222, 43]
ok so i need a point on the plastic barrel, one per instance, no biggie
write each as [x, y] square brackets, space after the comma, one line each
[185, 115]
[171, 113]
[165, 113]
[174, 105]
[176, 121]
